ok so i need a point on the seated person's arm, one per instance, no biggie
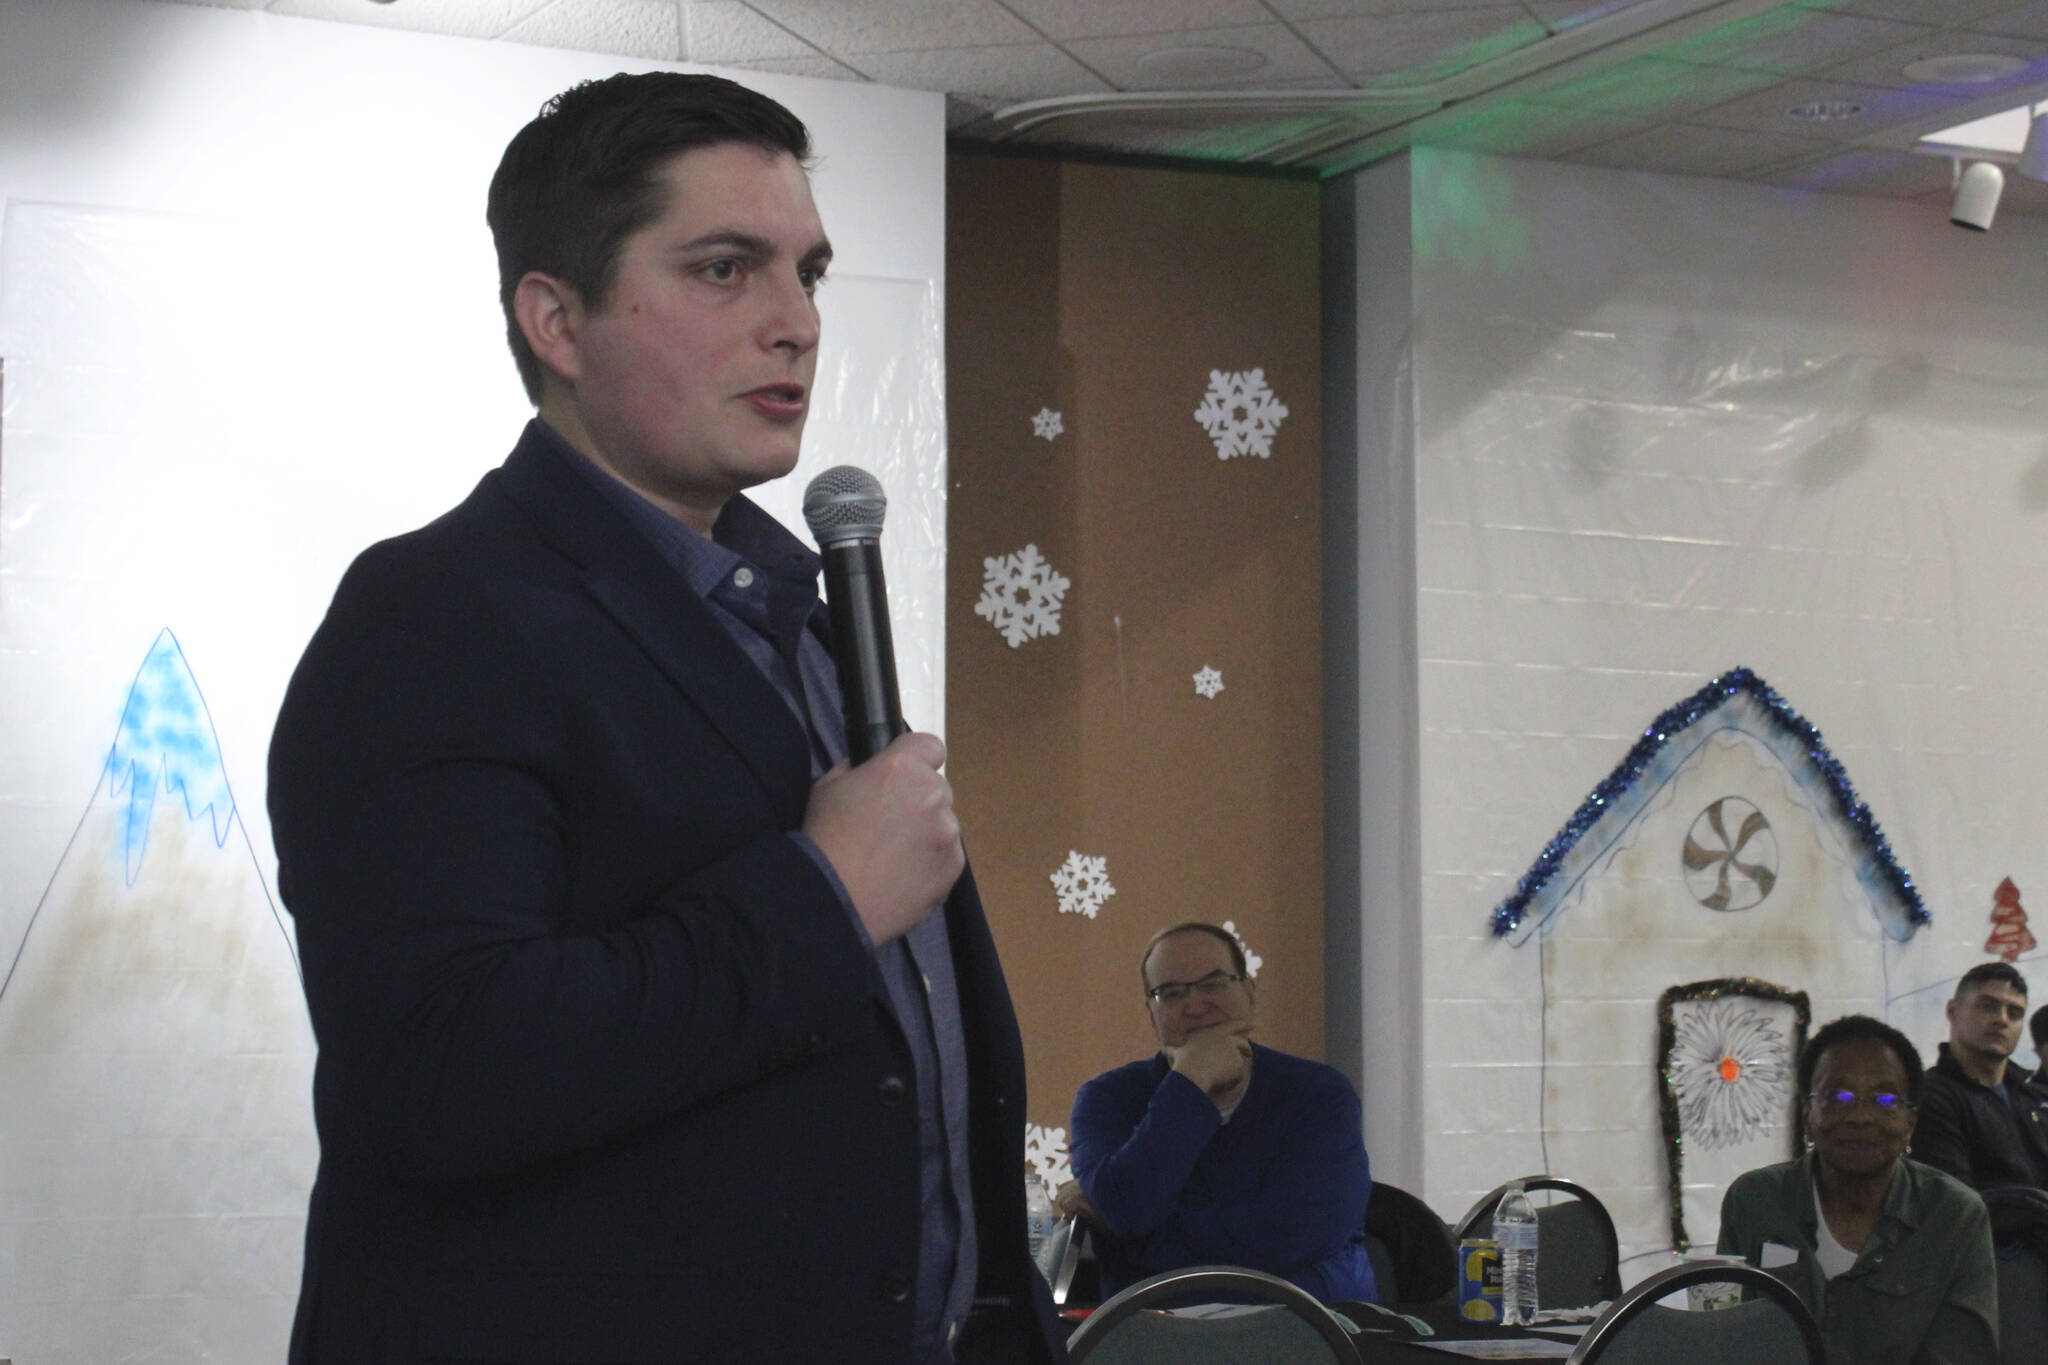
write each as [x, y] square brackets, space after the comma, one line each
[1308, 1203]
[1131, 1159]
[1965, 1326]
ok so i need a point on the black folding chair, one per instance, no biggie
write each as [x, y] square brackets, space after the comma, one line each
[1770, 1324]
[1578, 1261]
[1414, 1259]
[1289, 1328]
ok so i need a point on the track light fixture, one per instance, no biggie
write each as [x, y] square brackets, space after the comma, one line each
[2034, 156]
[1977, 191]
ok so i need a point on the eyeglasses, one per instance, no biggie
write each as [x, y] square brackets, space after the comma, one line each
[1885, 1104]
[1173, 992]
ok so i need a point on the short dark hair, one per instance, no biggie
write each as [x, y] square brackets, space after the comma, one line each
[1195, 926]
[2003, 972]
[1852, 1028]
[580, 178]
[2038, 1026]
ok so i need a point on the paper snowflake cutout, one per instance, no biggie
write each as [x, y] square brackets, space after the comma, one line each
[1208, 682]
[1045, 1152]
[1252, 961]
[1047, 424]
[1240, 414]
[1082, 884]
[1730, 1065]
[1021, 595]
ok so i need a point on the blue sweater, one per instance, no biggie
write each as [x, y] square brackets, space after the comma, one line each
[1280, 1188]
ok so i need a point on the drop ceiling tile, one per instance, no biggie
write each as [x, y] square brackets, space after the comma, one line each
[1914, 11]
[1511, 128]
[852, 27]
[1298, 10]
[625, 28]
[1911, 11]
[1792, 42]
[1650, 85]
[1687, 149]
[729, 31]
[1061, 19]
[823, 68]
[1889, 66]
[1769, 111]
[1563, 14]
[1011, 74]
[462, 18]
[1285, 57]
[2024, 21]
[1421, 47]
[1867, 171]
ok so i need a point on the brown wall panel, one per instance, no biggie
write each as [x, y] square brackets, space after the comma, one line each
[1109, 294]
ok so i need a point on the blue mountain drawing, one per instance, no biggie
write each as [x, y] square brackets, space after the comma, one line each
[166, 746]
[156, 1064]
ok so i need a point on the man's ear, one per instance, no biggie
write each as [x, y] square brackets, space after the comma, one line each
[1950, 1010]
[550, 314]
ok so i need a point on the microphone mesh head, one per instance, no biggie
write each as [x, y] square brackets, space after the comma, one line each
[845, 503]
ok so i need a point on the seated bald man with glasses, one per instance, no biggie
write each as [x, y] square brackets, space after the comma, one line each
[1217, 1151]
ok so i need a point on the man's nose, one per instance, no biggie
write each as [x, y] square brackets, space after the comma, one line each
[791, 323]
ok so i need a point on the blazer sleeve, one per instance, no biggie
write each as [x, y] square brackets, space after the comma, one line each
[469, 1025]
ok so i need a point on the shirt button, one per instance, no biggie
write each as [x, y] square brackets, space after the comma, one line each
[892, 1090]
[895, 1287]
[743, 577]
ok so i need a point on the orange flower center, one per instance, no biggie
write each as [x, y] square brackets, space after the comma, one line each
[1730, 1069]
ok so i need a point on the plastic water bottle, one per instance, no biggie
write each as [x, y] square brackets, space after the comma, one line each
[1039, 1218]
[1514, 1227]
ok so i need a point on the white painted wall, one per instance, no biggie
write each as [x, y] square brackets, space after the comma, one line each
[249, 321]
[1663, 427]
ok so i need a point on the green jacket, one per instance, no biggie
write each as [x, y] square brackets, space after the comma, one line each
[1923, 1291]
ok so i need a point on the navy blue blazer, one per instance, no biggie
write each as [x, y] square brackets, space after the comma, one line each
[606, 1072]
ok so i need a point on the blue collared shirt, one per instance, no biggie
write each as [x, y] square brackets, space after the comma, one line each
[761, 585]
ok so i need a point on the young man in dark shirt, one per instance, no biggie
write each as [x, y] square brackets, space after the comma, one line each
[1984, 1117]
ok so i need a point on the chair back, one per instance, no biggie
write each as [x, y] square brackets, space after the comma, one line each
[1770, 1324]
[1288, 1328]
[1578, 1260]
[1414, 1260]
[2022, 1305]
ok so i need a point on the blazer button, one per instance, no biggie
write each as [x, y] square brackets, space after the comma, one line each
[893, 1090]
[895, 1287]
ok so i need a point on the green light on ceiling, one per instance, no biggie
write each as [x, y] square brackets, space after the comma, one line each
[1462, 210]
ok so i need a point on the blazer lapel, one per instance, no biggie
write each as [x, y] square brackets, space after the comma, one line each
[643, 594]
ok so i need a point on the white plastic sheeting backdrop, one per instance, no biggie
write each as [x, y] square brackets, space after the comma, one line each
[1661, 428]
[207, 412]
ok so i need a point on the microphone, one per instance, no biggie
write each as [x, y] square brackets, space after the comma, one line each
[844, 507]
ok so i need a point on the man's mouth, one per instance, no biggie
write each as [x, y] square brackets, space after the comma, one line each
[778, 402]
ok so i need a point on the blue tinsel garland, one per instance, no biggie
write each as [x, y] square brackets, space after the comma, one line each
[1508, 915]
